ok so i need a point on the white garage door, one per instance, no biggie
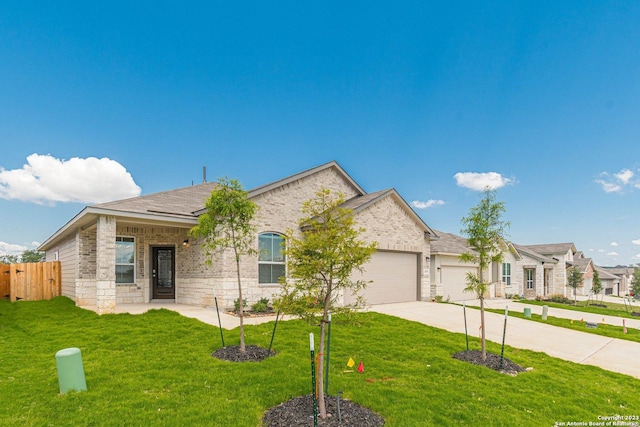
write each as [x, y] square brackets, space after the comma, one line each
[454, 281]
[394, 276]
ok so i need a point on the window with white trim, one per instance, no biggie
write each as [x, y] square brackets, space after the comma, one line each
[125, 260]
[271, 264]
[506, 273]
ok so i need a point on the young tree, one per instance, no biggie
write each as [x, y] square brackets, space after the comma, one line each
[596, 286]
[227, 224]
[320, 267]
[574, 279]
[485, 232]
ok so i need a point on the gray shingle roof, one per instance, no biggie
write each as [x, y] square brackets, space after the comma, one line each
[524, 250]
[552, 248]
[449, 243]
[182, 201]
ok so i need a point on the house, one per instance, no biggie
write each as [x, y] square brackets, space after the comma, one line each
[529, 274]
[555, 282]
[586, 268]
[624, 275]
[610, 282]
[527, 270]
[138, 250]
[448, 272]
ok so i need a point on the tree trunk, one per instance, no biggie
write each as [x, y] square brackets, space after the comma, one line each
[484, 342]
[243, 349]
[322, 409]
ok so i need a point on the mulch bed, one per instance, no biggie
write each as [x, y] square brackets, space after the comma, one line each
[232, 353]
[635, 313]
[299, 412]
[492, 361]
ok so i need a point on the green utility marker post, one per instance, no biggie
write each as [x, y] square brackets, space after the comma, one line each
[215, 298]
[70, 370]
[313, 380]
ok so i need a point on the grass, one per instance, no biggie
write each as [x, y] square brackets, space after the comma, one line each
[611, 331]
[156, 369]
[612, 309]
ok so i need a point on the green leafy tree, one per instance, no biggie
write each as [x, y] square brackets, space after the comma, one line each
[635, 282]
[485, 232]
[9, 259]
[32, 255]
[227, 225]
[596, 285]
[574, 279]
[320, 266]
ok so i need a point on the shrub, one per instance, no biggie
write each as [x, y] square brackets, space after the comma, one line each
[440, 298]
[261, 306]
[236, 304]
[559, 299]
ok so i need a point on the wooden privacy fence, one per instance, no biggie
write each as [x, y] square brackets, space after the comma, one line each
[30, 281]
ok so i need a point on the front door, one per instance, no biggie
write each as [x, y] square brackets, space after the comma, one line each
[529, 283]
[162, 274]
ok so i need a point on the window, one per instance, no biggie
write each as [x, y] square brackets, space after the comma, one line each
[270, 258]
[530, 277]
[506, 273]
[125, 259]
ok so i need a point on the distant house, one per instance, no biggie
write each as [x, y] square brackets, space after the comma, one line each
[527, 270]
[624, 275]
[138, 250]
[610, 282]
[448, 273]
[586, 268]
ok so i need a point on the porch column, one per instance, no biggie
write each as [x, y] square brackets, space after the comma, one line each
[106, 264]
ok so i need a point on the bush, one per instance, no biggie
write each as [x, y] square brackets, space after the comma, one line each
[236, 304]
[440, 298]
[561, 299]
[261, 306]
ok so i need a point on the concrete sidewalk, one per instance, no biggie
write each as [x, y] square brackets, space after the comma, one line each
[204, 314]
[580, 347]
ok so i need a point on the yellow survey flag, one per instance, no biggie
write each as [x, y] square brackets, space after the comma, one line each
[350, 363]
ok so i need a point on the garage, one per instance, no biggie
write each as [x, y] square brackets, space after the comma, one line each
[394, 277]
[453, 279]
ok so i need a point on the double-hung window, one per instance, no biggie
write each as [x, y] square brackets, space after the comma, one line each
[506, 273]
[271, 264]
[125, 260]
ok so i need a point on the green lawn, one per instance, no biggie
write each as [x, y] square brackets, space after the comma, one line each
[611, 331]
[612, 309]
[156, 369]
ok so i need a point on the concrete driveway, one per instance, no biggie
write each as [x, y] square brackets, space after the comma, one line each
[581, 347]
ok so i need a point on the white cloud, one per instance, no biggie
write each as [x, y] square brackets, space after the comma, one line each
[624, 176]
[428, 204]
[480, 181]
[636, 242]
[612, 253]
[636, 256]
[11, 248]
[609, 187]
[616, 183]
[47, 180]
[614, 243]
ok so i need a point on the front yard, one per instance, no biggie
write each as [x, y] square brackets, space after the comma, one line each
[156, 369]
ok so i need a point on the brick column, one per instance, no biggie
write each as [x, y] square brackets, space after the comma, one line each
[106, 264]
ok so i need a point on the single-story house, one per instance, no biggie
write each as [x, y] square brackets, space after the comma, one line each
[448, 272]
[555, 282]
[527, 273]
[610, 282]
[138, 250]
[586, 267]
[625, 276]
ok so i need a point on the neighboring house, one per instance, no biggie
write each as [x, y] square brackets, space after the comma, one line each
[624, 275]
[531, 274]
[138, 250]
[610, 282]
[586, 267]
[448, 273]
[556, 280]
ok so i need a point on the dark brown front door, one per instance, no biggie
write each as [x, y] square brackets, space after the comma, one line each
[162, 275]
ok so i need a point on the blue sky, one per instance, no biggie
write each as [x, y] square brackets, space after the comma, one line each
[104, 100]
